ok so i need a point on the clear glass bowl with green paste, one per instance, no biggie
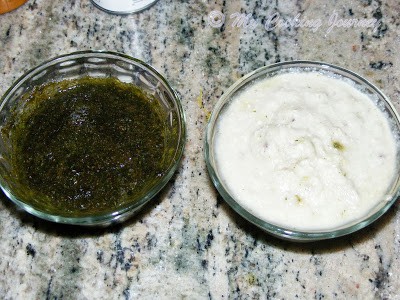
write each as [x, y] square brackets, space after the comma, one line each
[89, 138]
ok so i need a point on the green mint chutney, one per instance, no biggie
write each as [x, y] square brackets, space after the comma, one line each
[87, 146]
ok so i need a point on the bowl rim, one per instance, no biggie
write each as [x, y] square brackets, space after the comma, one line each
[276, 230]
[118, 215]
[124, 12]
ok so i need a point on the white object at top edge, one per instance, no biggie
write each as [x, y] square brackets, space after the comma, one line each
[123, 6]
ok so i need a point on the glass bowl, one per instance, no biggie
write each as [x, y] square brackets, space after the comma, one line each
[290, 232]
[123, 7]
[94, 64]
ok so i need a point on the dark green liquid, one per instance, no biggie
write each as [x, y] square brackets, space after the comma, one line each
[87, 146]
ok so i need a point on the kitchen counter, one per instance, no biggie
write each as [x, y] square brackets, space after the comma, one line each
[188, 243]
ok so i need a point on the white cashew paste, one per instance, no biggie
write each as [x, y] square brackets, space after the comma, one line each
[305, 151]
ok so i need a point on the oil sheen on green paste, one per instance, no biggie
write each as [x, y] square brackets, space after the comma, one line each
[88, 146]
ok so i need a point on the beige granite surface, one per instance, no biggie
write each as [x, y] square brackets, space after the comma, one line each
[188, 244]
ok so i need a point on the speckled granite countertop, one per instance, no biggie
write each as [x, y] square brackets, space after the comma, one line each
[189, 243]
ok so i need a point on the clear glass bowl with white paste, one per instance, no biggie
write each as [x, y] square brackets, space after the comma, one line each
[305, 150]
